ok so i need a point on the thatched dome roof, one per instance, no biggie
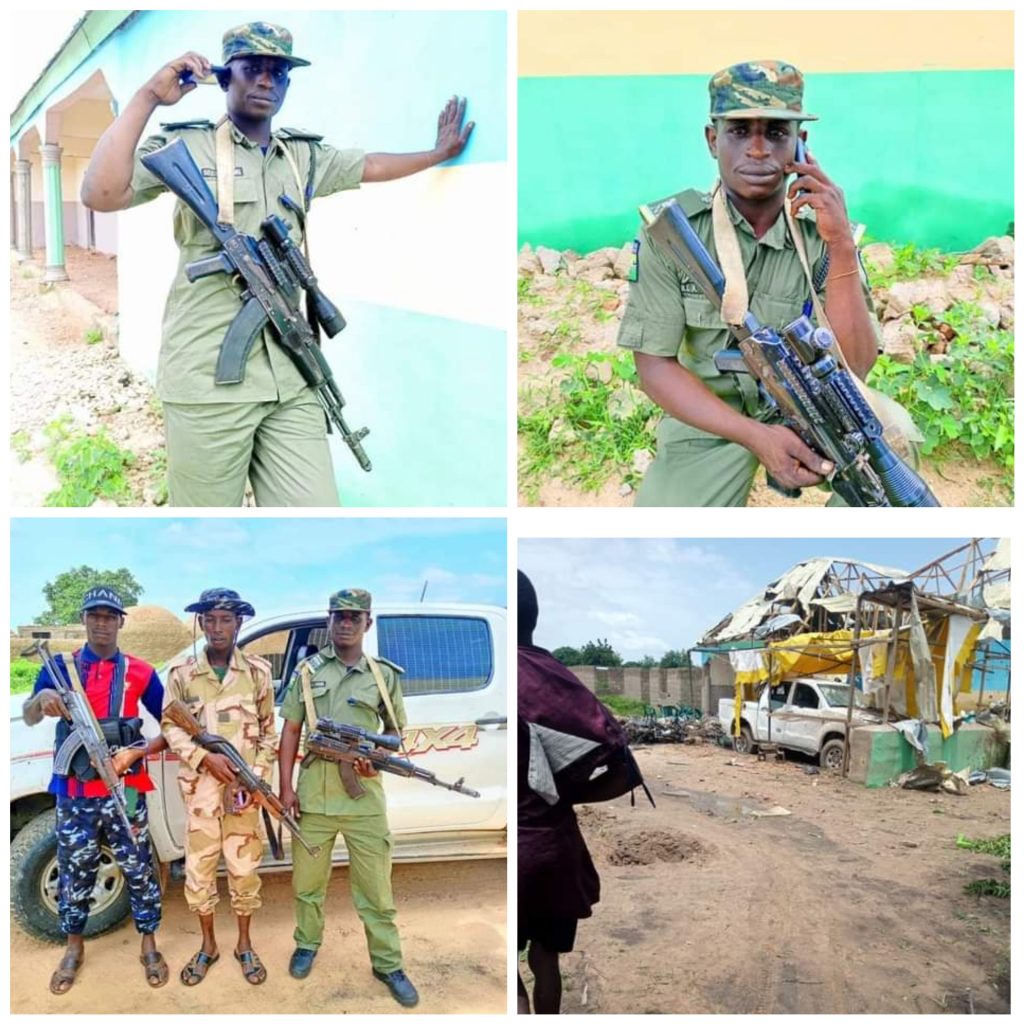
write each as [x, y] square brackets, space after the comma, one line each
[153, 633]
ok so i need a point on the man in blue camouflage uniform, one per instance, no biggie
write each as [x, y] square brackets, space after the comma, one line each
[115, 685]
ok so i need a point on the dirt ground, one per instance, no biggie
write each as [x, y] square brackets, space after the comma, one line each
[452, 923]
[955, 483]
[58, 367]
[852, 903]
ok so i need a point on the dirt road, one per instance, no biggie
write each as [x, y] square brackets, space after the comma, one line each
[852, 903]
[451, 917]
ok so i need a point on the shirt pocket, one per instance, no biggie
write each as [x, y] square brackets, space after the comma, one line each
[237, 720]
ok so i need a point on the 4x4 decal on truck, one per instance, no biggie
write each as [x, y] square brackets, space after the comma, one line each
[443, 737]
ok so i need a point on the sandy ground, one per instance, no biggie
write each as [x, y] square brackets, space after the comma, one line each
[55, 370]
[853, 903]
[451, 917]
[954, 482]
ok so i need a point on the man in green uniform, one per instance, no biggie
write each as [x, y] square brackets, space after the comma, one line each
[711, 440]
[268, 428]
[342, 683]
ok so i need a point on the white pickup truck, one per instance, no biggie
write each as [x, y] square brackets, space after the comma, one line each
[808, 715]
[455, 690]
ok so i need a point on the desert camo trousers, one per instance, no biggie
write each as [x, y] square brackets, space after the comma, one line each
[80, 823]
[237, 837]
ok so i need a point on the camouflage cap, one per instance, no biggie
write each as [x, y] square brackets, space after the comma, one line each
[102, 597]
[769, 89]
[349, 600]
[220, 599]
[260, 39]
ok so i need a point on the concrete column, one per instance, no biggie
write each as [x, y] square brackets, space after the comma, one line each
[22, 198]
[53, 211]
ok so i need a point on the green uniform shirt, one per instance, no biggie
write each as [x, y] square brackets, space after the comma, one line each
[320, 789]
[668, 315]
[197, 315]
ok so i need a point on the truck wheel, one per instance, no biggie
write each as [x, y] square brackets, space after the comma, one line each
[34, 884]
[744, 743]
[831, 756]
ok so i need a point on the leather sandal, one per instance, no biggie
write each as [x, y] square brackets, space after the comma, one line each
[252, 967]
[67, 970]
[156, 968]
[195, 970]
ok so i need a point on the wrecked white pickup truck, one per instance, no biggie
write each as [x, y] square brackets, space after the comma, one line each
[808, 715]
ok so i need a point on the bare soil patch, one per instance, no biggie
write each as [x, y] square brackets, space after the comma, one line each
[65, 362]
[451, 918]
[852, 903]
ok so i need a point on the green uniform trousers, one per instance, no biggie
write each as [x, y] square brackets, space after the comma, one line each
[369, 870]
[281, 447]
[702, 472]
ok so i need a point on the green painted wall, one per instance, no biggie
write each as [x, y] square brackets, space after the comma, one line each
[880, 754]
[921, 156]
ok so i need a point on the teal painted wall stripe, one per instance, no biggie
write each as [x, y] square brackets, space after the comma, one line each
[433, 395]
[921, 156]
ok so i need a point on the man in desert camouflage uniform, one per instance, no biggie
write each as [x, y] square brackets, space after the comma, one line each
[343, 683]
[231, 693]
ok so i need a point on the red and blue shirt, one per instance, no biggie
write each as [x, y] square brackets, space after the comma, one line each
[141, 686]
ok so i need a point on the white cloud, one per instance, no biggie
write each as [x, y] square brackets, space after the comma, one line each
[643, 596]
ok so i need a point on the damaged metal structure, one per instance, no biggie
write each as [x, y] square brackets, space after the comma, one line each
[907, 644]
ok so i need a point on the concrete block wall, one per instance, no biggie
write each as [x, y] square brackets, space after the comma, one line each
[878, 753]
[651, 685]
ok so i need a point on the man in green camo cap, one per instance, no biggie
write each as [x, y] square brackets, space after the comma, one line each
[343, 683]
[711, 438]
[269, 427]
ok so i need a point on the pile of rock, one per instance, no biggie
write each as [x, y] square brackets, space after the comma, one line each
[601, 265]
[905, 335]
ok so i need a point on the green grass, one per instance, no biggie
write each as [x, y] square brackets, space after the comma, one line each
[963, 403]
[88, 466]
[23, 675]
[909, 262]
[627, 707]
[93, 336]
[997, 847]
[20, 445]
[587, 428]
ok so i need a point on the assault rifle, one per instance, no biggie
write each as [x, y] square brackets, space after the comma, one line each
[800, 381]
[345, 744]
[272, 270]
[245, 777]
[86, 732]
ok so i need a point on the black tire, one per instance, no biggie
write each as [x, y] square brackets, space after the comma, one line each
[34, 884]
[831, 756]
[744, 743]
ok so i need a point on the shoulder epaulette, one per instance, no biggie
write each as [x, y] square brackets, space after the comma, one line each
[178, 126]
[314, 661]
[692, 202]
[298, 133]
[183, 661]
[390, 664]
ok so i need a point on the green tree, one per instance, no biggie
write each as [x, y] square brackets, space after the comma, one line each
[64, 594]
[601, 653]
[567, 655]
[674, 659]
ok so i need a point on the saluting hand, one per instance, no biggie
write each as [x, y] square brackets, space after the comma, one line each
[824, 196]
[166, 88]
[452, 136]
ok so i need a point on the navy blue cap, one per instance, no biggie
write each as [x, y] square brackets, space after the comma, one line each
[220, 599]
[102, 597]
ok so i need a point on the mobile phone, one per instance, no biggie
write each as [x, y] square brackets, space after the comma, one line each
[799, 157]
[187, 77]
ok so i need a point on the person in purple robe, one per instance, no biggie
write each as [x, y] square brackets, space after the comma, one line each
[571, 750]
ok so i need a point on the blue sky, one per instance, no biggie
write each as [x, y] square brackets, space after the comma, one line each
[650, 596]
[278, 565]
